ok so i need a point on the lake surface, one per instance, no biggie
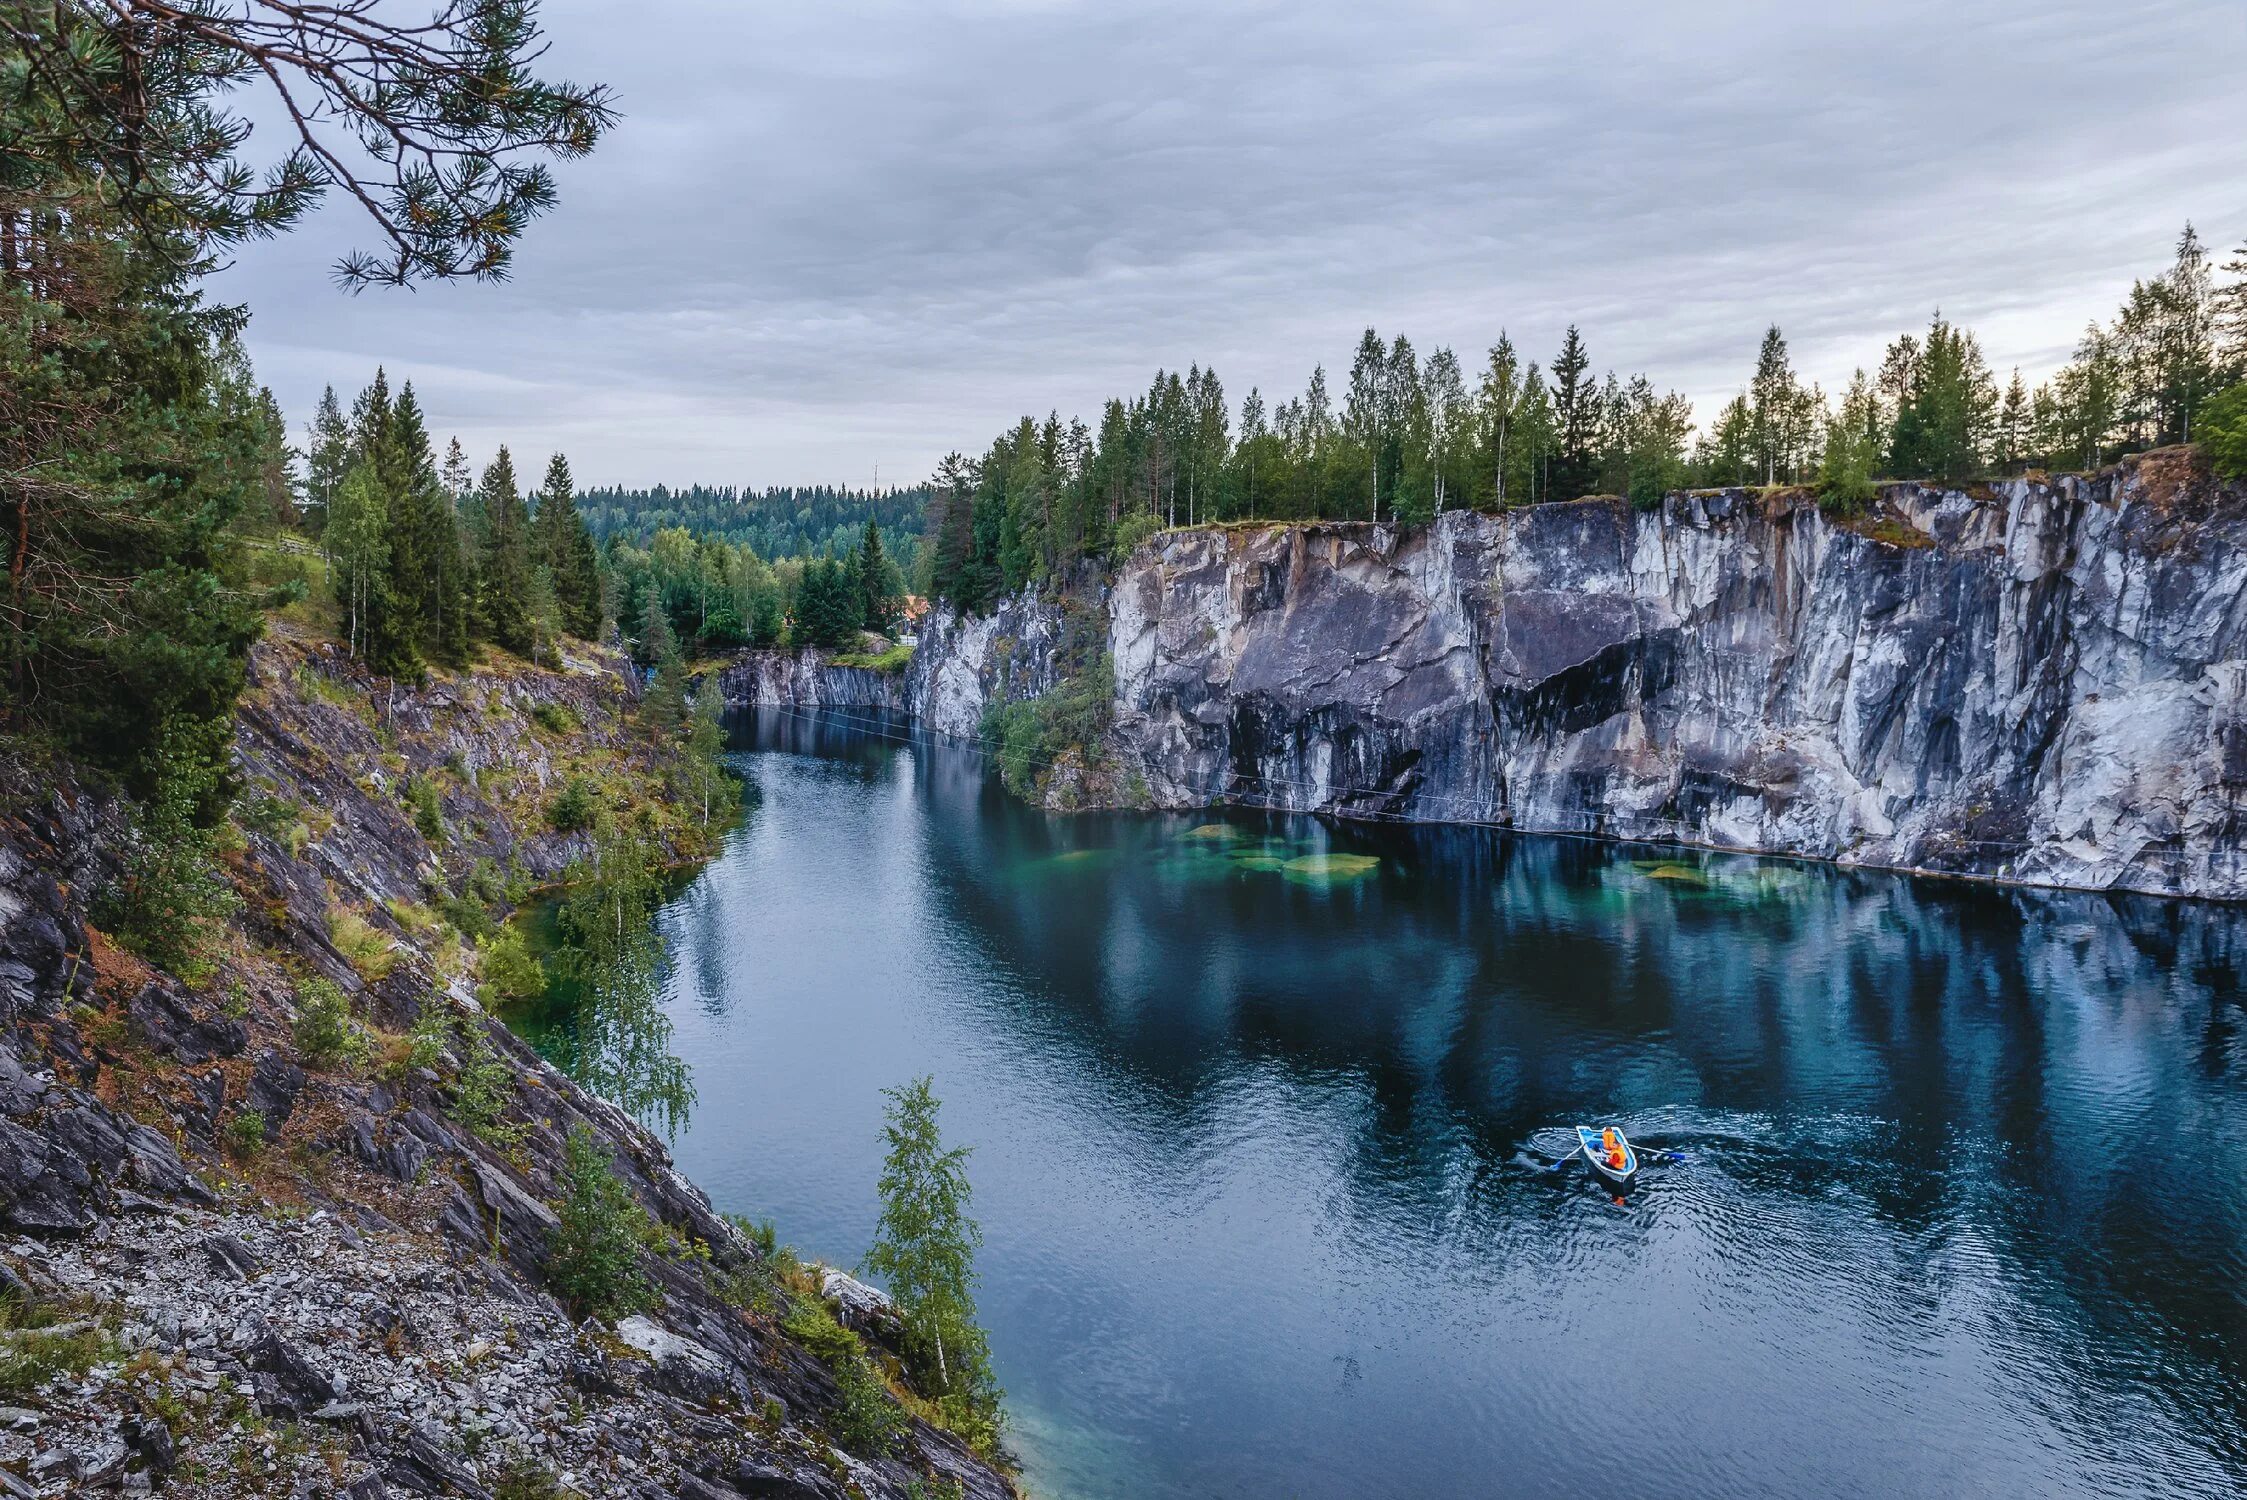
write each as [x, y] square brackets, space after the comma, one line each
[1260, 1140]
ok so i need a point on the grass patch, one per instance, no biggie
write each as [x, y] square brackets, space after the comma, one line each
[37, 1347]
[370, 953]
[895, 659]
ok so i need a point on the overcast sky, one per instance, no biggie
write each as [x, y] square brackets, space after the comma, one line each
[829, 236]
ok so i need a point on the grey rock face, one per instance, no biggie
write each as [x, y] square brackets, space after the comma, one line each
[2035, 681]
[2041, 683]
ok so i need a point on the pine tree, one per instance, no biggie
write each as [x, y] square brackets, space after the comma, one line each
[1853, 439]
[278, 493]
[327, 458]
[564, 546]
[1365, 412]
[1773, 404]
[428, 574]
[506, 577]
[877, 592]
[1575, 403]
[2013, 426]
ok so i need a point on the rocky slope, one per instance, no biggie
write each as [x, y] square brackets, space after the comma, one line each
[2043, 681]
[352, 1298]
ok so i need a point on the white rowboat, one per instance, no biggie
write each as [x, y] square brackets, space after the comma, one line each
[1595, 1152]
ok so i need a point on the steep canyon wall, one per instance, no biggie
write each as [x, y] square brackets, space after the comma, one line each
[2042, 681]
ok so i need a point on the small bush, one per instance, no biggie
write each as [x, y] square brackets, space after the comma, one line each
[326, 1037]
[507, 972]
[555, 717]
[428, 806]
[485, 1087]
[245, 1134]
[430, 1039]
[174, 901]
[1133, 530]
[868, 1420]
[594, 1261]
[261, 812]
[526, 1478]
[810, 1324]
[574, 808]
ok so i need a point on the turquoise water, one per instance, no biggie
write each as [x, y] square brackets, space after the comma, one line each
[1262, 1110]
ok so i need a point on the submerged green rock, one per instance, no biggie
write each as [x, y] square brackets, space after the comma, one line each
[1328, 867]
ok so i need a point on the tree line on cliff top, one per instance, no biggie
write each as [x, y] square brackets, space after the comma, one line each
[1406, 437]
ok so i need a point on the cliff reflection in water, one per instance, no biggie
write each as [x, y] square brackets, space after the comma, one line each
[1257, 1133]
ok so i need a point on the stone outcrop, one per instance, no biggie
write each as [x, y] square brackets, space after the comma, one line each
[351, 1298]
[2036, 680]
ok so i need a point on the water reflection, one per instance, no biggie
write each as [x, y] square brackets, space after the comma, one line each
[1964, 1209]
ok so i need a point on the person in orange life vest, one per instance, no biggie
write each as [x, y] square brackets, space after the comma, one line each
[1614, 1145]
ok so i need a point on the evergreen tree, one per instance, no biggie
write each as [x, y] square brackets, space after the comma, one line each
[2012, 432]
[278, 496]
[877, 586]
[1852, 447]
[428, 575]
[565, 547]
[327, 458]
[1775, 408]
[2088, 400]
[506, 573]
[1575, 405]
[1725, 455]
[924, 1247]
[828, 606]
[1947, 404]
[544, 611]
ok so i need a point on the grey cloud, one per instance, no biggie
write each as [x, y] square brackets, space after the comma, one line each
[833, 235]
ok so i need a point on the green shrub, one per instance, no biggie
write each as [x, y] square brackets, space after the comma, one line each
[555, 717]
[868, 1420]
[431, 1037]
[525, 1478]
[810, 1324]
[485, 1087]
[245, 1133]
[507, 973]
[326, 1037]
[428, 808]
[593, 1263]
[574, 808]
[1133, 530]
[174, 902]
[262, 812]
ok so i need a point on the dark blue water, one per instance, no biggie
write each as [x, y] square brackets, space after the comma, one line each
[1258, 1137]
